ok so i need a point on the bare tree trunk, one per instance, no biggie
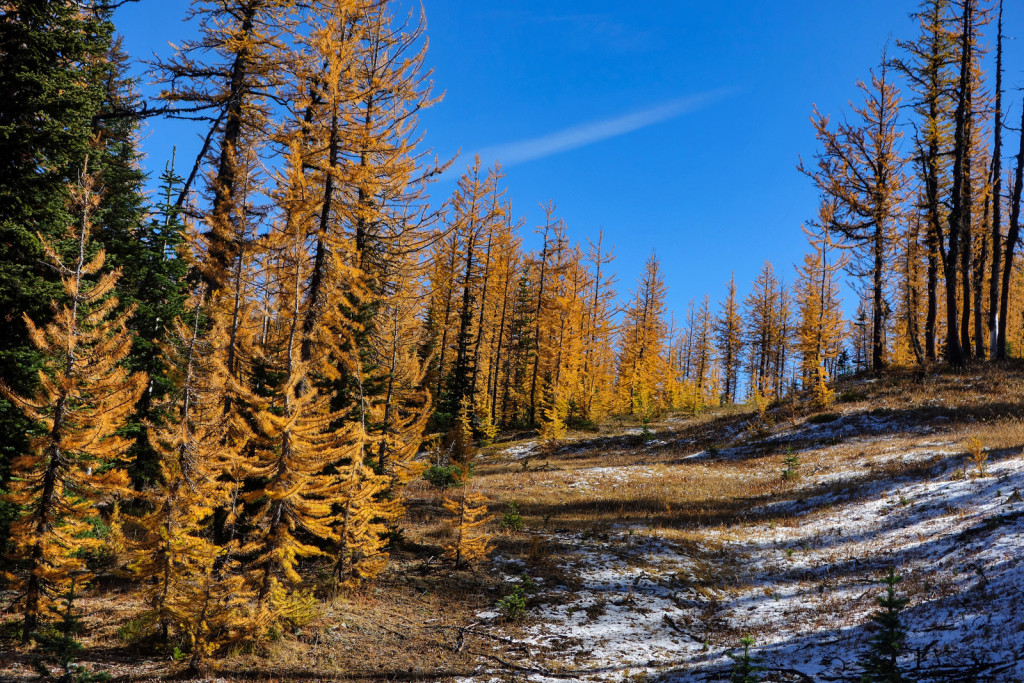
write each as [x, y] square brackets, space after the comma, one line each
[959, 222]
[221, 250]
[997, 200]
[1011, 241]
[536, 333]
[877, 314]
[933, 299]
[980, 266]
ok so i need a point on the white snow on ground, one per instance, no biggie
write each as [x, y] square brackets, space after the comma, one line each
[804, 580]
[958, 544]
[520, 451]
[619, 620]
[612, 477]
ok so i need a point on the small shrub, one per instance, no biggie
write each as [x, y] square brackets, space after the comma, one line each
[596, 610]
[487, 430]
[761, 424]
[292, 609]
[513, 605]
[440, 422]
[760, 403]
[823, 418]
[445, 476]
[512, 520]
[582, 424]
[646, 435]
[852, 396]
[792, 466]
[823, 395]
[745, 667]
[395, 538]
[977, 456]
[139, 629]
[10, 630]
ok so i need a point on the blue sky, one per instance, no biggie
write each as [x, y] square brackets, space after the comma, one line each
[674, 125]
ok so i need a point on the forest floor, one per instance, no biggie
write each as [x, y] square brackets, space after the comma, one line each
[650, 553]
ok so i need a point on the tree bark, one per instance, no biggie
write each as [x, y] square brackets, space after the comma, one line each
[997, 191]
[1011, 242]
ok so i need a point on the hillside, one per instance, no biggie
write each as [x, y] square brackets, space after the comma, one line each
[657, 558]
[651, 553]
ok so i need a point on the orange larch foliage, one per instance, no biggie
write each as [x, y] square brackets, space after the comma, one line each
[85, 395]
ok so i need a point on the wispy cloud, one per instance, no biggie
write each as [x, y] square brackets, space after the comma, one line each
[513, 153]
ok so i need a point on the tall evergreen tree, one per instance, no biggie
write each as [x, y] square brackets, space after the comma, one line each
[52, 79]
[149, 252]
[729, 341]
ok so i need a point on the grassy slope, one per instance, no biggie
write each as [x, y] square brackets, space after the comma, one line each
[653, 557]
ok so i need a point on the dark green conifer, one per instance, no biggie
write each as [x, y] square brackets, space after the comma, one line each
[882, 662]
[746, 667]
[52, 84]
[147, 249]
[60, 645]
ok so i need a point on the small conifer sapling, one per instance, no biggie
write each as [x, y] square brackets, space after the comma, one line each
[882, 661]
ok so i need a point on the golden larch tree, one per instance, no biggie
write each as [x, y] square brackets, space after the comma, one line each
[470, 543]
[860, 168]
[297, 433]
[84, 397]
[193, 584]
[821, 330]
[227, 77]
[598, 371]
[764, 333]
[927, 65]
[729, 342]
[642, 352]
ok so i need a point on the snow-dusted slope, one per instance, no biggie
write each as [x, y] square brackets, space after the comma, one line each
[646, 604]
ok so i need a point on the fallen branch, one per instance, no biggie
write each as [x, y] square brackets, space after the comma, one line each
[801, 676]
[483, 634]
[678, 629]
[524, 669]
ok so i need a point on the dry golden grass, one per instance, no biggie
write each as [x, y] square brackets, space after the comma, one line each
[406, 626]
